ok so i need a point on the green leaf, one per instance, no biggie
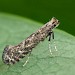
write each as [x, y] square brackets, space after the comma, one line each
[14, 29]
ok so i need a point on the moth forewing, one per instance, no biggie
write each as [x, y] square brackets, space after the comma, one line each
[13, 54]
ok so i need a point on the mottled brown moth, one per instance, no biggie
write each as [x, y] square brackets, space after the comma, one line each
[13, 54]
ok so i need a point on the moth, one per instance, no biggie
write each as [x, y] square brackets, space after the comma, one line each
[13, 54]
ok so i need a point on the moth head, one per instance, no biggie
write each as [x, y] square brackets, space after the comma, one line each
[54, 22]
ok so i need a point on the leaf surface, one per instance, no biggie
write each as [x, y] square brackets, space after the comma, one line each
[14, 29]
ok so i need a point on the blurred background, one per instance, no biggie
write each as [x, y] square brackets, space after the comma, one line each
[43, 10]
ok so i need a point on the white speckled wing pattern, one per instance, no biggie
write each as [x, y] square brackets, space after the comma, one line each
[13, 54]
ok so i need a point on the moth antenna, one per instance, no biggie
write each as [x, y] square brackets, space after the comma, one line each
[27, 60]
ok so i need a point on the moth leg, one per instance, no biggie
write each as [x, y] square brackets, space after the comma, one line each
[49, 42]
[55, 46]
[27, 59]
[52, 33]
[54, 41]
[50, 49]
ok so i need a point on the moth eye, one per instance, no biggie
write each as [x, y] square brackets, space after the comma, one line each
[54, 25]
